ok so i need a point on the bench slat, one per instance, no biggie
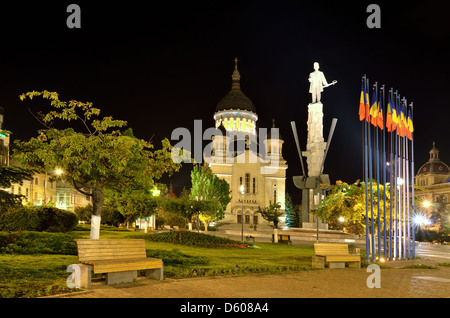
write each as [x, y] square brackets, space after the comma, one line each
[324, 249]
[342, 258]
[110, 266]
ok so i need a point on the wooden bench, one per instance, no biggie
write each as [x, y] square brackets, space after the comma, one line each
[119, 259]
[335, 254]
[282, 238]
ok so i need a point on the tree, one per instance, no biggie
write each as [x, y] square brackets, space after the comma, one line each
[348, 201]
[212, 191]
[98, 157]
[271, 213]
[8, 176]
[292, 216]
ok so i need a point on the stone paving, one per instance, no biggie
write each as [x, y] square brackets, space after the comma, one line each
[396, 282]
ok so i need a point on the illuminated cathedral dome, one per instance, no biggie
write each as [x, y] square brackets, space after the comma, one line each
[434, 165]
[235, 111]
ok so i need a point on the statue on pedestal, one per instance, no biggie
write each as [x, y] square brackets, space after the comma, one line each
[318, 83]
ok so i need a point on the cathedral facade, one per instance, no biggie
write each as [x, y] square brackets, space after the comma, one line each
[249, 159]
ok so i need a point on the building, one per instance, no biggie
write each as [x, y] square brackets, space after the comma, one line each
[433, 182]
[42, 189]
[246, 157]
[4, 141]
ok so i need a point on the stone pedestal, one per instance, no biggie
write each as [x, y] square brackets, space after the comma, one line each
[121, 277]
[315, 148]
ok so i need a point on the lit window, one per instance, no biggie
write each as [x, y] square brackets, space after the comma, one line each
[247, 182]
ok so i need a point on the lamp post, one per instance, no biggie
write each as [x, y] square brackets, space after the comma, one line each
[242, 212]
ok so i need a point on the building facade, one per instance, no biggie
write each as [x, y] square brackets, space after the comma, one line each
[41, 189]
[433, 182]
[247, 158]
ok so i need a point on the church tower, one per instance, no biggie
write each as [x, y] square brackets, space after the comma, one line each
[240, 160]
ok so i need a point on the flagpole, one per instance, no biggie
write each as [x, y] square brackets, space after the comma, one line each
[408, 232]
[366, 168]
[371, 192]
[401, 189]
[378, 177]
[391, 165]
[384, 113]
[395, 185]
[412, 188]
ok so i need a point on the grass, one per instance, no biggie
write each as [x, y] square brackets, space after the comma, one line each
[37, 275]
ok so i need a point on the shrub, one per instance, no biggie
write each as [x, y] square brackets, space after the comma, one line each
[193, 239]
[37, 243]
[37, 218]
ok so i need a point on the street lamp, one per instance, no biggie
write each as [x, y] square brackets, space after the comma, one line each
[426, 204]
[242, 212]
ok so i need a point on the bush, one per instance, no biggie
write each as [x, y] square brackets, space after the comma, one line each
[110, 215]
[192, 239]
[37, 243]
[37, 218]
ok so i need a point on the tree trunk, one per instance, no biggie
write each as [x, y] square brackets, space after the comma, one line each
[98, 199]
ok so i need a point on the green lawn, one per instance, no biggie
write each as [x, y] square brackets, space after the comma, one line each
[45, 274]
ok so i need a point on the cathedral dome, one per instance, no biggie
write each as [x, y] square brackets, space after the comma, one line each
[434, 165]
[235, 111]
[236, 99]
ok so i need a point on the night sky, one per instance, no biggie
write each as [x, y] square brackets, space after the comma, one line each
[161, 66]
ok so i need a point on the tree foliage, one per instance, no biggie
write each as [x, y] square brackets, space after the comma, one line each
[213, 192]
[98, 156]
[271, 213]
[8, 176]
[349, 202]
[292, 215]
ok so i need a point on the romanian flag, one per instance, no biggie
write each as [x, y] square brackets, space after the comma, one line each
[389, 115]
[410, 126]
[394, 116]
[362, 103]
[380, 117]
[374, 109]
[367, 105]
[402, 122]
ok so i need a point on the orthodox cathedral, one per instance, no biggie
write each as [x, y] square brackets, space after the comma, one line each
[249, 159]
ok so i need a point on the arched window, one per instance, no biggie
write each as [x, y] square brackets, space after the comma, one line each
[254, 185]
[247, 183]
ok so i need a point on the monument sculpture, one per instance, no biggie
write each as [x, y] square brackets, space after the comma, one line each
[318, 83]
[316, 149]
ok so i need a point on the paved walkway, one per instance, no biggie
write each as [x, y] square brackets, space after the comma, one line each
[396, 282]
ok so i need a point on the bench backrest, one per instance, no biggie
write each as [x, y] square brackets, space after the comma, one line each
[90, 250]
[331, 249]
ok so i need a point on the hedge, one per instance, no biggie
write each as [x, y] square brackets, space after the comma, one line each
[37, 218]
[37, 243]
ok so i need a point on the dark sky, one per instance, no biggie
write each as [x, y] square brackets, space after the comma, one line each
[161, 66]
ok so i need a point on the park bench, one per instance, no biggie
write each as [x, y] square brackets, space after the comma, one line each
[282, 238]
[335, 254]
[120, 259]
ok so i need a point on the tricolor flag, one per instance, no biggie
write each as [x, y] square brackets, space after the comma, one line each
[410, 126]
[362, 104]
[367, 105]
[402, 123]
[394, 116]
[380, 117]
[389, 115]
[374, 109]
